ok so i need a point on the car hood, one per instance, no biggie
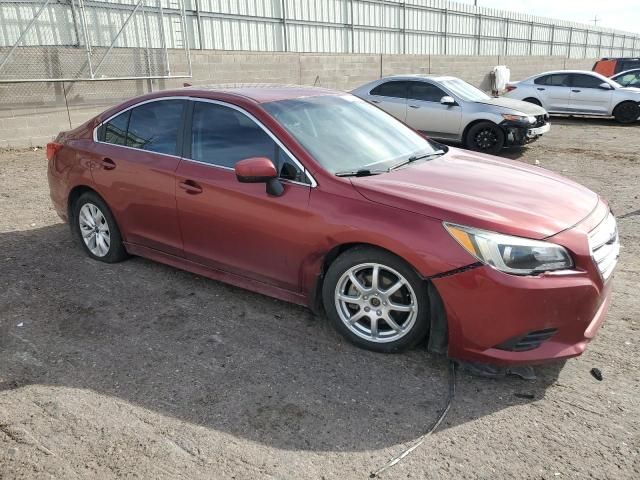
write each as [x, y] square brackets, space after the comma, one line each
[524, 107]
[485, 192]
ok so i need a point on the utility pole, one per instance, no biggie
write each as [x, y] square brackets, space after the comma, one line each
[595, 20]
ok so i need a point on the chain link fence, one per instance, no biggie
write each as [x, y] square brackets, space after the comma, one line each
[67, 40]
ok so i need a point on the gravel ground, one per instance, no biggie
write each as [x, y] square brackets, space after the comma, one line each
[142, 370]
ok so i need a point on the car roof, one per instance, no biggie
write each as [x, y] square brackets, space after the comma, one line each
[259, 93]
[591, 72]
[413, 76]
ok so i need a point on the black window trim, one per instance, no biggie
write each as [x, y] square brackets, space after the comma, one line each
[184, 134]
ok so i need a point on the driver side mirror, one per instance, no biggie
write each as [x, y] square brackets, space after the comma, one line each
[605, 86]
[447, 100]
[259, 170]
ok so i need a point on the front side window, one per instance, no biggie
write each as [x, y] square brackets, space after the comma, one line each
[155, 126]
[586, 81]
[393, 89]
[223, 136]
[425, 92]
[346, 133]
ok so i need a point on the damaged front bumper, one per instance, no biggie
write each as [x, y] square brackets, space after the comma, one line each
[518, 133]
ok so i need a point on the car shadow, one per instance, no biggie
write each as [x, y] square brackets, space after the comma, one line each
[591, 121]
[218, 356]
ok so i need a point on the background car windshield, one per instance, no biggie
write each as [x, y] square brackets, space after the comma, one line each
[464, 90]
[345, 133]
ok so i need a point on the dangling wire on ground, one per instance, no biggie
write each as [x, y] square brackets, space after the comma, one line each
[434, 427]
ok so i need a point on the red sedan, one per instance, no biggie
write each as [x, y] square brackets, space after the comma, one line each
[319, 198]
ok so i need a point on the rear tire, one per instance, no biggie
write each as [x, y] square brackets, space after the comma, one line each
[535, 101]
[376, 300]
[485, 137]
[95, 228]
[627, 112]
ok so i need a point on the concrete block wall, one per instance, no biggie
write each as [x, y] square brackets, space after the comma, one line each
[31, 114]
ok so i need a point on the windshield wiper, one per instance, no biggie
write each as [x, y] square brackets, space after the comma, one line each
[363, 172]
[413, 158]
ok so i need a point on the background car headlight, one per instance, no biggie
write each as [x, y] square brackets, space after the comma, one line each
[518, 118]
[514, 255]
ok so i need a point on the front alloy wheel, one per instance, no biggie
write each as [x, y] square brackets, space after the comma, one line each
[376, 300]
[485, 137]
[376, 303]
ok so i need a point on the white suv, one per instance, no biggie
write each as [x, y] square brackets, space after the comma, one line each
[579, 92]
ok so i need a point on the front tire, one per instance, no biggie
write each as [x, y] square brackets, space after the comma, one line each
[96, 229]
[627, 112]
[485, 137]
[376, 300]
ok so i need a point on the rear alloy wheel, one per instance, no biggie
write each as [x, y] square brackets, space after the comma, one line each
[97, 229]
[486, 137]
[627, 112]
[375, 300]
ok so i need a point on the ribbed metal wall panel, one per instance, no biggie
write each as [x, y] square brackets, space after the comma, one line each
[360, 26]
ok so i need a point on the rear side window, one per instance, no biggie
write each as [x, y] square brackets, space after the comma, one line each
[391, 89]
[585, 81]
[425, 92]
[223, 136]
[115, 130]
[155, 126]
[555, 80]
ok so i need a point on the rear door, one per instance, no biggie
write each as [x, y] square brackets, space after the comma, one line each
[391, 96]
[426, 114]
[237, 227]
[586, 95]
[134, 160]
[554, 91]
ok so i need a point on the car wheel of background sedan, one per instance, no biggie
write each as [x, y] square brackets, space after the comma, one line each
[376, 300]
[627, 112]
[535, 101]
[486, 137]
[97, 230]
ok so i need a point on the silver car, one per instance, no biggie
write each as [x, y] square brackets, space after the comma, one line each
[579, 92]
[450, 109]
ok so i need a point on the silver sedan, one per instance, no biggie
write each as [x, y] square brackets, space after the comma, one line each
[448, 108]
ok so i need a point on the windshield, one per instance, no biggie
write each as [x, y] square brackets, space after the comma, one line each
[346, 133]
[464, 90]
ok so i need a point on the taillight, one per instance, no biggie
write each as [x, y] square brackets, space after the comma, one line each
[52, 149]
[511, 88]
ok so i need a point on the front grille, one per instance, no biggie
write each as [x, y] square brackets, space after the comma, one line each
[541, 120]
[605, 245]
[527, 342]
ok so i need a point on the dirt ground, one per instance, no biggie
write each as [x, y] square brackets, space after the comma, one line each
[140, 370]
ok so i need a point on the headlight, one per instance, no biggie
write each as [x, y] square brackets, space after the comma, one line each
[519, 118]
[514, 255]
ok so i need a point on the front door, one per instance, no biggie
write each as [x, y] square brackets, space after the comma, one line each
[238, 227]
[133, 165]
[426, 114]
[587, 96]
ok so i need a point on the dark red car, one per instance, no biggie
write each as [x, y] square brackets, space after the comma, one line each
[321, 199]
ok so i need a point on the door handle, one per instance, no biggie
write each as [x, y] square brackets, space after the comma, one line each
[414, 106]
[108, 164]
[540, 88]
[375, 101]
[190, 187]
[576, 91]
